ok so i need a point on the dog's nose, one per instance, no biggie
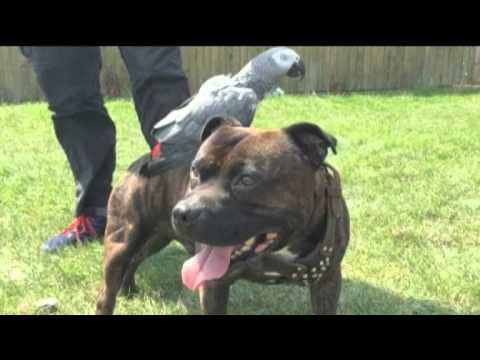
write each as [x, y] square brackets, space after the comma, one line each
[187, 216]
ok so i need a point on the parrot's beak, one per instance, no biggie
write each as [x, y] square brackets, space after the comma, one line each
[297, 70]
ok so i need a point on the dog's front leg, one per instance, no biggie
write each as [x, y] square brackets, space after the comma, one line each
[120, 247]
[325, 294]
[214, 298]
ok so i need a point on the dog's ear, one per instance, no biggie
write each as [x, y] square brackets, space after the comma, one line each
[216, 122]
[312, 141]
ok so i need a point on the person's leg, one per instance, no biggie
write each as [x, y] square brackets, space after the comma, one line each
[158, 81]
[69, 78]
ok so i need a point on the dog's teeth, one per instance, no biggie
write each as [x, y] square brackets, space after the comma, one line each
[271, 236]
[236, 254]
[248, 244]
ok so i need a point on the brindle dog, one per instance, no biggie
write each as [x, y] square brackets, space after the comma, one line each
[261, 205]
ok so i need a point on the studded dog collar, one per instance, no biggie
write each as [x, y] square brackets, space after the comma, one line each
[326, 254]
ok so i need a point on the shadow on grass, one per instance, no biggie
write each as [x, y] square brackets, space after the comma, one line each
[160, 277]
[361, 298]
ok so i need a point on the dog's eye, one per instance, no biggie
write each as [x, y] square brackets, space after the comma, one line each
[194, 174]
[194, 178]
[245, 180]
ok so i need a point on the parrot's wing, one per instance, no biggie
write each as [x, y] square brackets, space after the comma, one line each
[184, 126]
[208, 89]
[236, 102]
[181, 131]
[185, 102]
[216, 83]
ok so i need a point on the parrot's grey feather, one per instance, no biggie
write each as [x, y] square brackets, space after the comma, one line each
[186, 102]
[216, 83]
[239, 103]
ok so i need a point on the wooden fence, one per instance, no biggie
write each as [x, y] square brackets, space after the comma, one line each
[329, 69]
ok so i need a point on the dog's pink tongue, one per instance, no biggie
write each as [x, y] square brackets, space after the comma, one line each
[211, 262]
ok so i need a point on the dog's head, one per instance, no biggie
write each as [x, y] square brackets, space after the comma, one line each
[250, 189]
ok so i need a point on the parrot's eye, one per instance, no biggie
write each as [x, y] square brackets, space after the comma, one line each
[283, 57]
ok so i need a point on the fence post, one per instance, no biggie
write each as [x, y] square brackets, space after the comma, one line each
[476, 66]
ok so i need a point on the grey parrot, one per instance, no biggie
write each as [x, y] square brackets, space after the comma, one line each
[179, 133]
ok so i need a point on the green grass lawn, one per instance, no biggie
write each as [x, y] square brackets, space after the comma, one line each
[410, 163]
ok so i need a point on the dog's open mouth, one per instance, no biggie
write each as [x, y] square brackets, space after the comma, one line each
[212, 262]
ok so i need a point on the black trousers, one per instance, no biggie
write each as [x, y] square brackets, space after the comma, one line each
[69, 78]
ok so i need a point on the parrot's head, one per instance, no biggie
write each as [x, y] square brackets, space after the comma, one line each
[284, 61]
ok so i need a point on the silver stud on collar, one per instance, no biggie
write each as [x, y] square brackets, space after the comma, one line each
[321, 263]
[294, 275]
[330, 250]
[299, 268]
[325, 249]
[305, 276]
[314, 269]
[327, 260]
[324, 268]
